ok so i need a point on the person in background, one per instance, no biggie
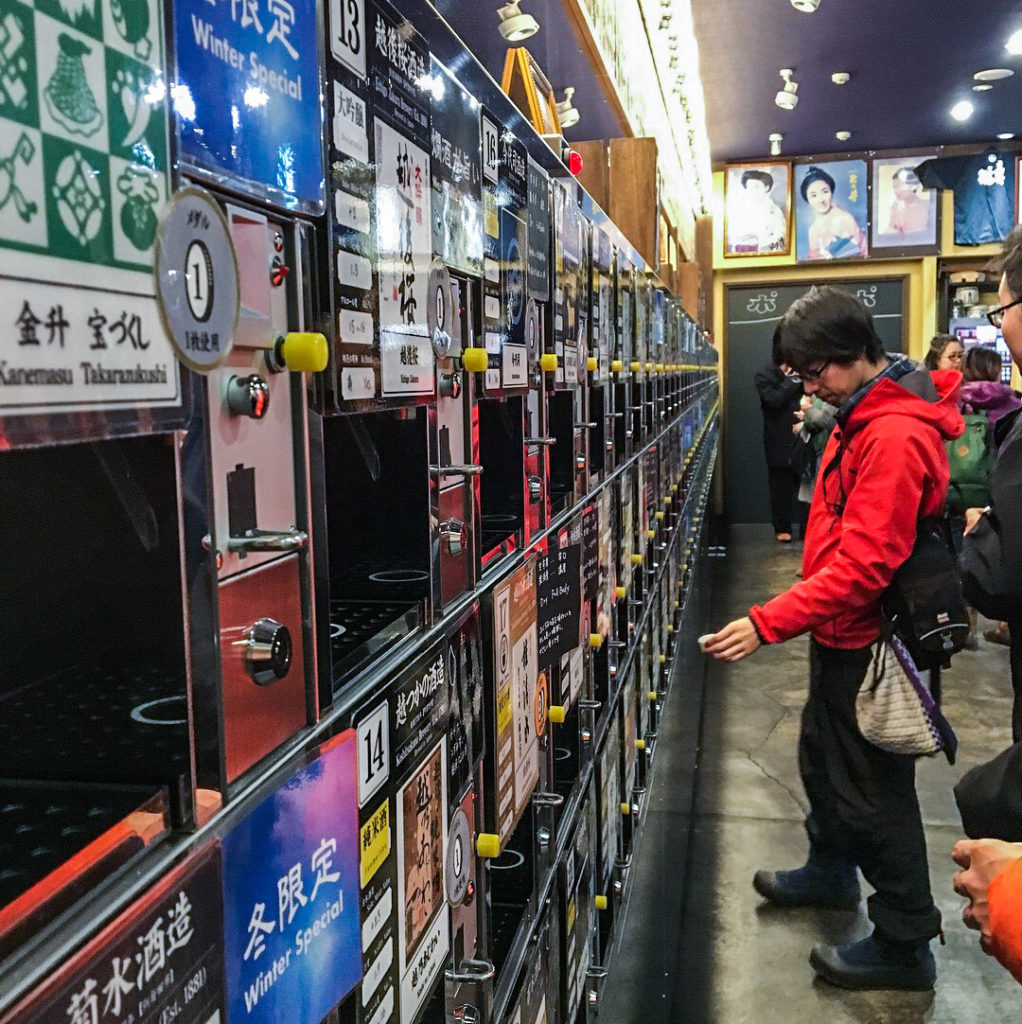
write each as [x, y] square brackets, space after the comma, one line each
[945, 353]
[983, 391]
[991, 880]
[834, 232]
[779, 393]
[814, 420]
[883, 470]
[991, 558]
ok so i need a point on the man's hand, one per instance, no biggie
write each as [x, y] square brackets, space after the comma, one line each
[735, 641]
[972, 517]
[981, 860]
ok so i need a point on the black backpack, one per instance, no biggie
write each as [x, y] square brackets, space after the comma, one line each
[924, 604]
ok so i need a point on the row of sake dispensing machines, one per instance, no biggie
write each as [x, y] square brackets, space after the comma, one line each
[354, 470]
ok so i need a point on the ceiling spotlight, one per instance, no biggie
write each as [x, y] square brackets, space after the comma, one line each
[993, 74]
[515, 26]
[962, 110]
[842, 136]
[1014, 43]
[982, 87]
[787, 98]
[775, 139]
[840, 77]
[566, 112]
[806, 6]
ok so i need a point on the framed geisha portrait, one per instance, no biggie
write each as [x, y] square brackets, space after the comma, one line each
[831, 210]
[905, 215]
[757, 209]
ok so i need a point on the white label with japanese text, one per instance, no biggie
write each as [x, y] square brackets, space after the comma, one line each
[82, 347]
[358, 382]
[355, 328]
[377, 919]
[351, 126]
[351, 212]
[406, 364]
[516, 362]
[354, 271]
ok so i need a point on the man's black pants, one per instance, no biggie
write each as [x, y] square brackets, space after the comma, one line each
[863, 804]
[783, 481]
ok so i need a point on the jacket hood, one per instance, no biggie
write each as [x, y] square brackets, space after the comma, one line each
[928, 395]
[988, 395]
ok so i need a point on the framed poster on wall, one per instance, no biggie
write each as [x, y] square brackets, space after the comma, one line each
[831, 210]
[906, 216]
[757, 209]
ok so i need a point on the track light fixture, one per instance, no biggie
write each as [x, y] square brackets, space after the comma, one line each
[787, 97]
[775, 143]
[566, 112]
[514, 25]
[805, 6]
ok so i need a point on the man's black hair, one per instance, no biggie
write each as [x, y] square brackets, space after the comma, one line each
[827, 324]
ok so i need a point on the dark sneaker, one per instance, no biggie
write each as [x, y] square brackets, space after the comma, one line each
[810, 886]
[872, 963]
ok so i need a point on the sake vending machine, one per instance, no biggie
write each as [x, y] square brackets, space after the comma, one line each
[244, 230]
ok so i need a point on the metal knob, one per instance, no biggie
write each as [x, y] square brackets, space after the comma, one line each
[454, 534]
[535, 489]
[580, 463]
[450, 385]
[543, 837]
[248, 396]
[268, 651]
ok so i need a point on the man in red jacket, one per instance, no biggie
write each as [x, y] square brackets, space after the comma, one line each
[884, 469]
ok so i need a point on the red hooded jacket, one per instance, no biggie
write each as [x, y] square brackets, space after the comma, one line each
[892, 472]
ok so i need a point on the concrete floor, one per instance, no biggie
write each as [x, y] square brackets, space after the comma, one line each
[696, 943]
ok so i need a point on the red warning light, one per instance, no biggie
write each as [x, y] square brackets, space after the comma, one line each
[574, 162]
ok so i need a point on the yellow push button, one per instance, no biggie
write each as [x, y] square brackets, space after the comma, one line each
[305, 351]
[617, 366]
[592, 364]
[650, 534]
[475, 360]
[668, 500]
[663, 659]
[651, 694]
[670, 628]
[649, 367]
[626, 808]
[596, 640]
[640, 744]
[636, 559]
[548, 362]
[557, 713]
[659, 367]
[600, 902]
[660, 515]
[636, 367]
[488, 845]
[620, 593]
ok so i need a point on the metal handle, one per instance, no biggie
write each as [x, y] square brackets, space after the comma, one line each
[597, 973]
[291, 539]
[586, 425]
[472, 970]
[547, 799]
[456, 470]
[546, 442]
[590, 705]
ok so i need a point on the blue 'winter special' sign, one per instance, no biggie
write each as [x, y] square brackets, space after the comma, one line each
[247, 93]
[292, 939]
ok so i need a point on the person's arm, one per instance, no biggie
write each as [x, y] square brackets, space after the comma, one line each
[991, 879]
[991, 559]
[776, 394]
[878, 531]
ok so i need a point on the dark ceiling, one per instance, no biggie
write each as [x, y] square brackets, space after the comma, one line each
[910, 61]
[556, 49]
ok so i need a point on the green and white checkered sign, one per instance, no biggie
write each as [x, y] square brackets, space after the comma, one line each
[84, 176]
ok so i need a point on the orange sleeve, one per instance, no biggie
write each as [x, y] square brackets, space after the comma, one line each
[1005, 898]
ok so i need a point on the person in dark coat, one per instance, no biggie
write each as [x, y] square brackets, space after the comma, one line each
[779, 395]
[991, 559]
